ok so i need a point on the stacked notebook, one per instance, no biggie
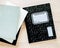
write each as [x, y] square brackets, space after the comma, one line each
[11, 18]
[39, 23]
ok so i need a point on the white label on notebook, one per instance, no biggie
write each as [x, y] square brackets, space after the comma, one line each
[40, 17]
[50, 32]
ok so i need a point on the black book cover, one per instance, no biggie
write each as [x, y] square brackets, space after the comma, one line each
[38, 32]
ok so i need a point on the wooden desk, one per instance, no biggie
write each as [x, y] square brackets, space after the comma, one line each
[22, 41]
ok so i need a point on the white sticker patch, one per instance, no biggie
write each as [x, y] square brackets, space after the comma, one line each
[40, 17]
[50, 32]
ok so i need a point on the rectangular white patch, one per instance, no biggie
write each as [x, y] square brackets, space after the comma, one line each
[40, 17]
[50, 32]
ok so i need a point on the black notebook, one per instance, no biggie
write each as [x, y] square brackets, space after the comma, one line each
[39, 23]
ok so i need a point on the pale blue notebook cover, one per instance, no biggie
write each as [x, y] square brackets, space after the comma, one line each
[10, 21]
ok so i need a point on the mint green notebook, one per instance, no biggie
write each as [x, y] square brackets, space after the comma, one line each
[11, 18]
